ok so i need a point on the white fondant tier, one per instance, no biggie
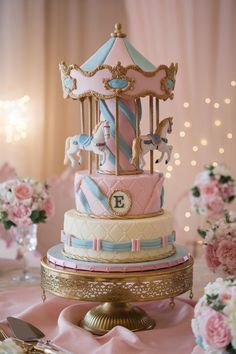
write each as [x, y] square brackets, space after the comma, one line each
[56, 256]
[93, 194]
[129, 240]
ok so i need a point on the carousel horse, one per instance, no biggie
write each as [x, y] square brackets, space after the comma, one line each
[156, 141]
[95, 143]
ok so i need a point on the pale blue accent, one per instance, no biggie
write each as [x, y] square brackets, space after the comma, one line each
[118, 83]
[84, 140]
[68, 82]
[99, 56]
[125, 148]
[162, 197]
[111, 157]
[199, 341]
[97, 192]
[169, 84]
[84, 201]
[128, 113]
[138, 58]
[122, 246]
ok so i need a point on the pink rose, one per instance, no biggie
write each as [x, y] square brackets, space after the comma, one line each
[226, 253]
[48, 206]
[216, 205]
[215, 330]
[20, 215]
[210, 256]
[23, 191]
[210, 190]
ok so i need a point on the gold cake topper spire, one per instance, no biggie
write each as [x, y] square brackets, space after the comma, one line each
[118, 31]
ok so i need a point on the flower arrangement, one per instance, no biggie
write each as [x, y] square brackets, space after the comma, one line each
[214, 323]
[220, 244]
[213, 188]
[24, 202]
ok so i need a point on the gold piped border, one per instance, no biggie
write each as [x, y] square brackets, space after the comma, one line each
[121, 172]
[121, 260]
[124, 217]
[125, 191]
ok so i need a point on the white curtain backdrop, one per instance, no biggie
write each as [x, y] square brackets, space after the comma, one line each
[200, 35]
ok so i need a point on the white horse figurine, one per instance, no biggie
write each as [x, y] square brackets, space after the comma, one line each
[95, 143]
[156, 141]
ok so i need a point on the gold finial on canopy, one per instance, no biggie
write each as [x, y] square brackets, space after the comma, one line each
[118, 31]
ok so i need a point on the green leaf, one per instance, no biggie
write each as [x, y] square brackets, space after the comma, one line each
[230, 199]
[225, 179]
[196, 191]
[38, 216]
[201, 232]
[3, 215]
[211, 298]
[230, 349]
[8, 224]
[218, 308]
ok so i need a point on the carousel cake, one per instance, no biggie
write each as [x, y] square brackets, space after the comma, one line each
[118, 222]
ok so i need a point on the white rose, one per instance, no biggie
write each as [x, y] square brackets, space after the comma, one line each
[221, 170]
[27, 202]
[38, 187]
[214, 288]
[8, 346]
[202, 178]
[10, 197]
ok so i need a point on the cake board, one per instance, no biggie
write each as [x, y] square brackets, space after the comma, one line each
[116, 290]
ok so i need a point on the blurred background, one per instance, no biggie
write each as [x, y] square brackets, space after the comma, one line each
[35, 36]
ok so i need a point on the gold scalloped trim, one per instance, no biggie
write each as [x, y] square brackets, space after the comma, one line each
[117, 70]
[112, 216]
[128, 260]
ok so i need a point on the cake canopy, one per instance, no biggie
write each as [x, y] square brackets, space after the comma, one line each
[118, 69]
[111, 82]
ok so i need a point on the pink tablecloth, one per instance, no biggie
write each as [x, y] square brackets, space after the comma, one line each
[58, 318]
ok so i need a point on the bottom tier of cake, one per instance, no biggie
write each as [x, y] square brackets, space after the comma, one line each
[55, 256]
[120, 240]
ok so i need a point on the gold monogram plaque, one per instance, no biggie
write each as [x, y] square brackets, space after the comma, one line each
[120, 202]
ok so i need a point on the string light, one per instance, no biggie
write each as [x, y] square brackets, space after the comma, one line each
[227, 100]
[168, 175]
[177, 162]
[176, 155]
[204, 142]
[215, 164]
[187, 214]
[182, 134]
[186, 228]
[187, 124]
[216, 105]
[186, 104]
[13, 119]
[195, 148]
[221, 150]
[193, 163]
[208, 100]
[229, 135]
[233, 83]
[169, 168]
[217, 123]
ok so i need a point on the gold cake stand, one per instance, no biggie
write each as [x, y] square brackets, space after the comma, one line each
[116, 290]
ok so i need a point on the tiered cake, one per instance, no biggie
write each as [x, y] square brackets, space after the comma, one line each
[119, 223]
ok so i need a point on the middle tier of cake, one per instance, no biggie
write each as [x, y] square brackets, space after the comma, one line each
[120, 240]
[113, 196]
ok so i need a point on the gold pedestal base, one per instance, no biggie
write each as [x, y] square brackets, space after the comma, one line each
[116, 290]
[101, 319]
